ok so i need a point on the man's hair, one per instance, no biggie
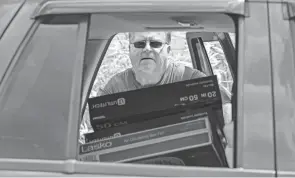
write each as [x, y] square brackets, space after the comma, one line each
[168, 36]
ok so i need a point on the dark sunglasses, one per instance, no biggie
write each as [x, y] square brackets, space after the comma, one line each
[153, 44]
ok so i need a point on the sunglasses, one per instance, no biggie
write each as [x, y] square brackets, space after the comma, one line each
[153, 44]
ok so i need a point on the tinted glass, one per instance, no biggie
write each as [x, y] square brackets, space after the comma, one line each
[35, 103]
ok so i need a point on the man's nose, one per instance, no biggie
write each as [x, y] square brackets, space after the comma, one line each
[147, 47]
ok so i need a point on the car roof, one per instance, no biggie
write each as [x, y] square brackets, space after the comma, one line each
[47, 7]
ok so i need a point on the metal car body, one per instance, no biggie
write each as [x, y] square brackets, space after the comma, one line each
[51, 50]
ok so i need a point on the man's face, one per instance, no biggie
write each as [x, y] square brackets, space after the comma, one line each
[148, 53]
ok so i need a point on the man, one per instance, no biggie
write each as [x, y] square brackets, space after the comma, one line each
[149, 53]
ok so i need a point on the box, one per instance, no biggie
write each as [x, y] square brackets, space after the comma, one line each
[185, 116]
[154, 102]
[192, 143]
[179, 123]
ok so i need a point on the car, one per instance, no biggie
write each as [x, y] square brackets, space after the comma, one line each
[52, 53]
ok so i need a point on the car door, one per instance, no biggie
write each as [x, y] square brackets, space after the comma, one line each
[262, 139]
[282, 41]
[41, 93]
[254, 146]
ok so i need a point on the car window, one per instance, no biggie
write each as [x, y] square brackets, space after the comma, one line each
[8, 8]
[116, 61]
[36, 100]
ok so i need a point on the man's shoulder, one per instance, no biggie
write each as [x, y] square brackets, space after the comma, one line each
[118, 82]
[185, 72]
[176, 68]
[191, 73]
[121, 76]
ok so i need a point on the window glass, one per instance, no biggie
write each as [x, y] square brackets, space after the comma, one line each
[35, 103]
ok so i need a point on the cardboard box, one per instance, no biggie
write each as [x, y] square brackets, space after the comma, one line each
[149, 103]
[179, 123]
[184, 142]
[166, 120]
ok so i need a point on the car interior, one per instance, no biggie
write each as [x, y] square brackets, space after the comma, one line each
[200, 29]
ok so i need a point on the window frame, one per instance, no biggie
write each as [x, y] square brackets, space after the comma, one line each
[247, 97]
[199, 55]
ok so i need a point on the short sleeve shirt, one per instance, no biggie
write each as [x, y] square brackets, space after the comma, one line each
[125, 81]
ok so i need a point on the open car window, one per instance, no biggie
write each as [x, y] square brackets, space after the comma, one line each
[116, 85]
